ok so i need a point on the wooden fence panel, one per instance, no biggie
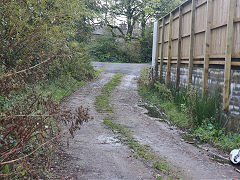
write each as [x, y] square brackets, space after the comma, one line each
[185, 47]
[187, 7]
[166, 33]
[236, 41]
[174, 50]
[200, 18]
[218, 42]
[202, 39]
[175, 29]
[220, 12]
[186, 24]
[199, 41]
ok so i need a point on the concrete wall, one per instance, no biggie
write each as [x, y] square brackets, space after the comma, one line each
[215, 81]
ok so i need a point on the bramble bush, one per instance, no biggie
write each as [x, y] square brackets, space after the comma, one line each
[42, 45]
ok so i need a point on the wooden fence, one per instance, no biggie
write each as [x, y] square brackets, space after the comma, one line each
[199, 32]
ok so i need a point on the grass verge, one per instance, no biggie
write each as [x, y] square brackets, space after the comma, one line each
[198, 115]
[60, 88]
[102, 101]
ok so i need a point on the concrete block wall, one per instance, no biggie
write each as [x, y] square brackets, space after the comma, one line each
[215, 81]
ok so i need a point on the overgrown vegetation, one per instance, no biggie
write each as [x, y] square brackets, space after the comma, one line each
[200, 115]
[57, 89]
[102, 48]
[43, 59]
[102, 101]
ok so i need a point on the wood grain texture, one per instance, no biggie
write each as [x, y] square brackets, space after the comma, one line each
[228, 59]
[203, 33]
[190, 64]
[157, 51]
[162, 48]
[179, 47]
[169, 50]
[207, 45]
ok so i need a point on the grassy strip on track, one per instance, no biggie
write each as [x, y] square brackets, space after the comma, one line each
[102, 101]
[142, 151]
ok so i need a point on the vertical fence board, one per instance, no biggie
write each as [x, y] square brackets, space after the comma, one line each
[179, 47]
[169, 49]
[236, 36]
[201, 32]
[207, 45]
[220, 12]
[228, 58]
[190, 64]
[162, 46]
[218, 42]
[157, 51]
[236, 40]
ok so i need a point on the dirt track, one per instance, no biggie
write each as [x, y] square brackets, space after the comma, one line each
[96, 152]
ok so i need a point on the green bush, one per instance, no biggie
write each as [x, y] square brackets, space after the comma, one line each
[77, 65]
[32, 32]
[103, 47]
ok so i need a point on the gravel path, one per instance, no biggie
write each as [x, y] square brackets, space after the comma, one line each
[96, 153]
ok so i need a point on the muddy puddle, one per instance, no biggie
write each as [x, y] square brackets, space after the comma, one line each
[190, 139]
[109, 140]
[154, 112]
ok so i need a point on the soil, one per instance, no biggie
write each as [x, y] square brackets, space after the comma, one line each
[97, 153]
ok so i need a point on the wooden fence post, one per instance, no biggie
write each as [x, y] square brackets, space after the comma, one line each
[192, 33]
[207, 45]
[228, 56]
[169, 50]
[179, 47]
[157, 51]
[162, 45]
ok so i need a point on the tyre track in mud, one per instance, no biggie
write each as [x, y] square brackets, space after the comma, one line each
[95, 152]
[165, 140]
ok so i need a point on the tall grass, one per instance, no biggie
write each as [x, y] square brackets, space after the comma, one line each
[203, 108]
[201, 116]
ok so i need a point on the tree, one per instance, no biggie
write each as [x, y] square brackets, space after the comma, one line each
[134, 12]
